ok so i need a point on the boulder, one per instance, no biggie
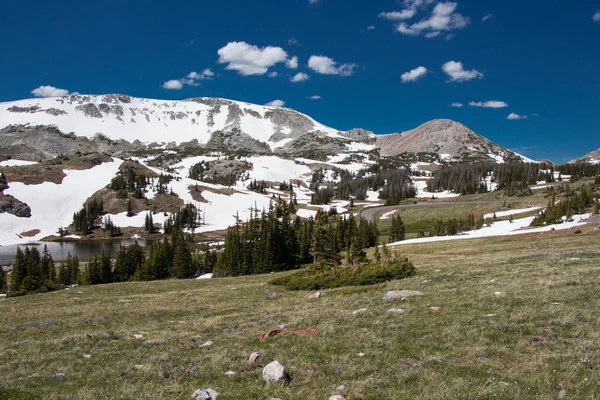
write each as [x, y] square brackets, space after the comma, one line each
[400, 294]
[274, 373]
[205, 394]
[254, 357]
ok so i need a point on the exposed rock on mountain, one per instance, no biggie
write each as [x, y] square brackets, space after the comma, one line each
[442, 136]
[36, 142]
[117, 124]
[593, 157]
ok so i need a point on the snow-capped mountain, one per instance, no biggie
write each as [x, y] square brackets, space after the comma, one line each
[593, 157]
[114, 123]
[212, 122]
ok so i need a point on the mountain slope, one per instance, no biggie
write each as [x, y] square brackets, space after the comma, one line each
[445, 137]
[116, 124]
[593, 157]
[205, 120]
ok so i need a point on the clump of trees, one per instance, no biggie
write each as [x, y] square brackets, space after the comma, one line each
[573, 203]
[271, 241]
[32, 272]
[87, 219]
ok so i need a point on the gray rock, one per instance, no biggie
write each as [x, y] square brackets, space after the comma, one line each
[274, 373]
[396, 310]
[359, 311]
[337, 397]
[340, 388]
[400, 294]
[254, 357]
[11, 205]
[205, 394]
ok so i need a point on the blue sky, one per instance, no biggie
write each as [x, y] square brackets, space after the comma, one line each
[534, 59]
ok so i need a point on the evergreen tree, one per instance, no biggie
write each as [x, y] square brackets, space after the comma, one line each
[182, 259]
[398, 232]
[106, 268]
[357, 254]
[19, 272]
[3, 285]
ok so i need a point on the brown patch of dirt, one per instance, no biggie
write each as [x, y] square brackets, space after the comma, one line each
[52, 170]
[30, 233]
[196, 194]
[138, 168]
[160, 203]
[225, 191]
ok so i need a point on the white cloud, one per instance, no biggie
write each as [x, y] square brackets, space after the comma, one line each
[273, 74]
[488, 104]
[457, 73]
[299, 77]
[313, 1]
[248, 59]
[315, 97]
[371, 27]
[456, 104]
[191, 79]
[407, 13]
[485, 18]
[49, 91]
[414, 74]
[292, 42]
[292, 63]
[513, 116]
[432, 34]
[536, 114]
[442, 18]
[173, 84]
[596, 17]
[276, 103]
[326, 66]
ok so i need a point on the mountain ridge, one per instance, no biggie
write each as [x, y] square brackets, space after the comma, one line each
[224, 124]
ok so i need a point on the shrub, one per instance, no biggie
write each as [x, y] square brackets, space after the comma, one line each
[315, 278]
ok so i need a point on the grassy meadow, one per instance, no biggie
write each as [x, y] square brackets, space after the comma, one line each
[514, 317]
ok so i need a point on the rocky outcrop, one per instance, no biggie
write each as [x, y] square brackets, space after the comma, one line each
[314, 144]
[33, 143]
[11, 205]
[236, 140]
[359, 135]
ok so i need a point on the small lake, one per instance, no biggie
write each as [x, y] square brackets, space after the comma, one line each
[82, 249]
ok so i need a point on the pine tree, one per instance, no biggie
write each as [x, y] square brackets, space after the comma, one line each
[182, 259]
[129, 209]
[3, 285]
[19, 272]
[105, 268]
[357, 254]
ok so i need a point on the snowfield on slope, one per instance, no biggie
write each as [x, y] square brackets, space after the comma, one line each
[52, 206]
[502, 228]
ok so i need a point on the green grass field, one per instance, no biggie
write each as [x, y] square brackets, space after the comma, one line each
[538, 338]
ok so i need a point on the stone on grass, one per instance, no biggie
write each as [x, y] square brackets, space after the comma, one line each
[340, 388]
[337, 397]
[361, 354]
[87, 356]
[396, 310]
[313, 295]
[359, 311]
[125, 301]
[205, 394]
[271, 295]
[435, 308]
[230, 373]
[274, 373]
[400, 294]
[207, 343]
[254, 357]
[138, 336]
